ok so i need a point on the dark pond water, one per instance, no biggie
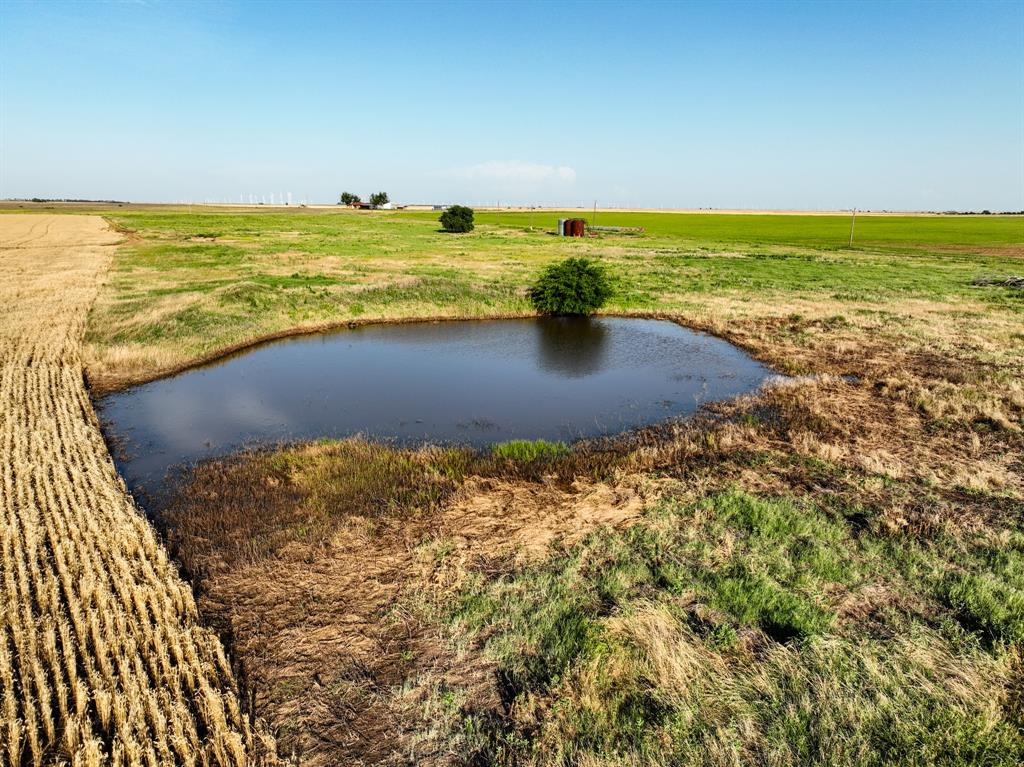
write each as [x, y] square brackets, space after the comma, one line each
[465, 382]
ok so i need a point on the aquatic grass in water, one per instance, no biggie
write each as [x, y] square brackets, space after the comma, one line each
[527, 451]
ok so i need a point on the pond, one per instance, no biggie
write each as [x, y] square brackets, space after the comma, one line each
[466, 382]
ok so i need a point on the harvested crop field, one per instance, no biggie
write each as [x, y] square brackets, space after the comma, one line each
[102, 658]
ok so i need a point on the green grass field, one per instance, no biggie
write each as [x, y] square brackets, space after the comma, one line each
[187, 285]
[817, 231]
[710, 633]
[827, 573]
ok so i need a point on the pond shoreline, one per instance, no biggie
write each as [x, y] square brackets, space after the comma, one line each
[103, 385]
[463, 383]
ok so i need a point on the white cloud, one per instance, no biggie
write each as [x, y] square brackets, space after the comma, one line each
[514, 170]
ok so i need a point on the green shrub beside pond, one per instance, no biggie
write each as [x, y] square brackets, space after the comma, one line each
[576, 286]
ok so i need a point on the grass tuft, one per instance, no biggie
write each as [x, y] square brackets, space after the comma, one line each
[528, 451]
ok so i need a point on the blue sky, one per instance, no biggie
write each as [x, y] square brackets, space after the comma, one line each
[915, 106]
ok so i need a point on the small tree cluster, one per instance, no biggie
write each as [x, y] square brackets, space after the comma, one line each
[575, 286]
[457, 218]
[377, 199]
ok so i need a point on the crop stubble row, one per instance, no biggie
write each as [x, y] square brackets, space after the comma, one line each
[102, 659]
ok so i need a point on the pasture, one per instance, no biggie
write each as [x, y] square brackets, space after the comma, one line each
[835, 557]
[186, 286]
[827, 571]
[824, 231]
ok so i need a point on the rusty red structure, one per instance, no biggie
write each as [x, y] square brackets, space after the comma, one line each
[575, 227]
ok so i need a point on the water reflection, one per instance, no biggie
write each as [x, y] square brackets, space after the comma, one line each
[465, 382]
[571, 346]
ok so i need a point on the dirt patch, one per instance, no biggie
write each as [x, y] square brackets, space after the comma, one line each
[494, 514]
[1011, 251]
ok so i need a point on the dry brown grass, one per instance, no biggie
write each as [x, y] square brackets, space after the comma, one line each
[102, 658]
[305, 558]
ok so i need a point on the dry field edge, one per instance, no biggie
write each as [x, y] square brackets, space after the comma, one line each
[102, 656]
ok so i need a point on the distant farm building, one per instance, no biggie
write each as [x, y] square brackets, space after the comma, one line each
[578, 227]
[571, 227]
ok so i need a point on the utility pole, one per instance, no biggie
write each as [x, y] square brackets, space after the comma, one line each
[595, 214]
[853, 220]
